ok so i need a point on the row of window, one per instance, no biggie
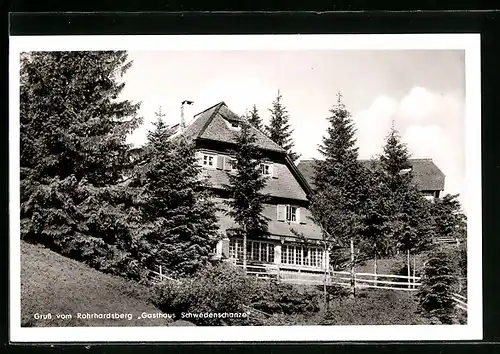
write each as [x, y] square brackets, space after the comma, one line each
[226, 163]
[261, 251]
[258, 251]
[300, 255]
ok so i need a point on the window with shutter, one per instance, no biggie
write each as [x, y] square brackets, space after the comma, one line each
[220, 162]
[208, 160]
[281, 211]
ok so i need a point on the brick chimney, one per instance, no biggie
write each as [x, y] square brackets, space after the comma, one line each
[183, 119]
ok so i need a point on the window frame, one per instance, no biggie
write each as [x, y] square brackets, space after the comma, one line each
[269, 166]
[292, 213]
[208, 155]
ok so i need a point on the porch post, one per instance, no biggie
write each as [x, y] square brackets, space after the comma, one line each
[277, 259]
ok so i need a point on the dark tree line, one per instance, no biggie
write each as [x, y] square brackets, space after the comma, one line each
[84, 193]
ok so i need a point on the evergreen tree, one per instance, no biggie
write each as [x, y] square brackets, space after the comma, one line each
[339, 182]
[74, 155]
[436, 291]
[180, 223]
[279, 129]
[402, 211]
[254, 118]
[377, 239]
[395, 161]
[449, 219]
[245, 189]
[340, 167]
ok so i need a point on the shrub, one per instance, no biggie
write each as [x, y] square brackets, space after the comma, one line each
[438, 282]
[219, 289]
[375, 307]
[225, 289]
[287, 299]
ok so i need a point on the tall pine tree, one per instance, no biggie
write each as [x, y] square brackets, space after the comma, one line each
[436, 292]
[279, 130]
[245, 189]
[254, 118]
[179, 215]
[338, 181]
[395, 162]
[340, 167]
[74, 155]
[403, 212]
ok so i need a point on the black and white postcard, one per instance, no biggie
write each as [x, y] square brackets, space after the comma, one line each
[245, 188]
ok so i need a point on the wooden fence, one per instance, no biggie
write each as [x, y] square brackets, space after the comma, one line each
[315, 276]
[461, 301]
[294, 275]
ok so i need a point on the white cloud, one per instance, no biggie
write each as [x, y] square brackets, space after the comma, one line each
[430, 124]
[373, 125]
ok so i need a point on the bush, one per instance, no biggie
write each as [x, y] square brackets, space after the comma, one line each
[219, 289]
[438, 282]
[225, 289]
[375, 307]
[286, 299]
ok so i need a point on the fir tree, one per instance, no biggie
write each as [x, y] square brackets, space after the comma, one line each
[449, 219]
[338, 181]
[245, 189]
[254, 118]
[340, 167]
[180, 223]
[395, 161]
[339, 174]
[403, 212]
[279, 130]
[74, 156]
[436, 291]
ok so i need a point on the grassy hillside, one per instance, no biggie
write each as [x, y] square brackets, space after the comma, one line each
[51, 283]
[376, 307]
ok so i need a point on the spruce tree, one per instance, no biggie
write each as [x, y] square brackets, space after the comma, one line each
[245, 188]
[338, 181]
[279, 130]
[395, 161]
[340, 167]
[254, 118]
[179, 215]
[74, 155]
[438, 281]
[406, 214]
[449, 219]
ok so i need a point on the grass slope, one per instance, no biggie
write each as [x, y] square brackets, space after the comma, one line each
[51, 283]
[376, 307]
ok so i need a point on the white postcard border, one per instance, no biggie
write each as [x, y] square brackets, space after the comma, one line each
[468, 42]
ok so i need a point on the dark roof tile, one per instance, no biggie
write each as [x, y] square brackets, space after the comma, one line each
[427, 176]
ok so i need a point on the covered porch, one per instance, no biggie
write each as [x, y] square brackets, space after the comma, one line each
[277, 257]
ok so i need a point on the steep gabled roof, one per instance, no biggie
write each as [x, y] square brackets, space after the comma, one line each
[212, 124]
[426, 175]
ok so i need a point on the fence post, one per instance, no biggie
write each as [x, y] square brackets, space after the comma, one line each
[414, 279]
[353, 275]
[409, 274]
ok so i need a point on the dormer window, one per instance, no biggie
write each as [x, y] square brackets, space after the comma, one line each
[266, 169]
[233, 124]
[208, 160]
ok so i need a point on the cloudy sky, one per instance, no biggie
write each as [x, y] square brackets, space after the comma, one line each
[422, 91]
